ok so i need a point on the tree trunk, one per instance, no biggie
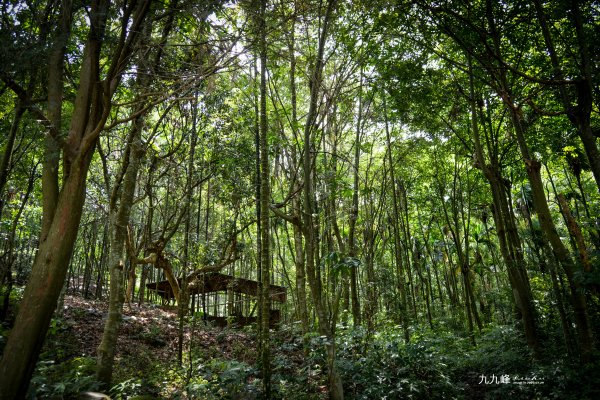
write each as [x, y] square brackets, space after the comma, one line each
[44, 287]
[184, 297]
[352, 249]
[510, 247]
[117, 259]
[90, 111]
[265, 222]
[326, 328]
[299, 258]
[575, 232]
[300, 271]
[90, 260]
[540, 203]
[52, 149]
[396, 229]
[405, 230]
[6, 161]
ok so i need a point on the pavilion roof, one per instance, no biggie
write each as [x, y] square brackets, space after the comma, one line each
[209, 282]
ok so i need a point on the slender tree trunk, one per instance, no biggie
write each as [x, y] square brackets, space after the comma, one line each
[184, 296]
[102, 264]
[299, 258]
[8, 258]
[568, 336]
[146, 268]
[370, 304]
[119, 216]
[406, 238]
[508, 237]
[418, 261]
[90, 260]
[352, 249]
[396, 229]
[433, 266]
[540, 203]
[6, 161]
[265, 198]
[309, 216]
[117, 259]
[300, 272]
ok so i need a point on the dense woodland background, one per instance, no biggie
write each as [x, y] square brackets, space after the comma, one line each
[422, 177]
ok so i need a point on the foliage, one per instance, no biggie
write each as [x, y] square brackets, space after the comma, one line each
[63, 380]
[126, 389]
[436, 363]
[441, 365]
[215, 379]
[387, 367]
[421, 197]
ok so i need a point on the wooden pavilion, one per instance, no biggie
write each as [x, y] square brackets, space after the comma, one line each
[223, 298]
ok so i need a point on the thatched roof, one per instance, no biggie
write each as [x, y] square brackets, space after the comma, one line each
[210, 282]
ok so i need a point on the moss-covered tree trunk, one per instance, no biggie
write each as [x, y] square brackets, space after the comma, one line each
[52, 260]
[44, 287]
[119, 220]
[265, 198]
[90, 111]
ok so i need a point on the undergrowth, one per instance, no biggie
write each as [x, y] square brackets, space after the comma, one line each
[440, 364]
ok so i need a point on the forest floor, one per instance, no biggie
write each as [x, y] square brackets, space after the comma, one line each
[148, 328]
[220, 363]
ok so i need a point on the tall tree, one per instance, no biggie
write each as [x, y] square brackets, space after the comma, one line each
[91, 110]
[265, 199]
[326, 325]
[122, 196]
[396, 229]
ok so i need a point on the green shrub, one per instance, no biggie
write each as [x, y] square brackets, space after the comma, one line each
[223, 379]
[390, 369]
[64, 380]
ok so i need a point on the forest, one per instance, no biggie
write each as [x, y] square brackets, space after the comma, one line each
[299, 199]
